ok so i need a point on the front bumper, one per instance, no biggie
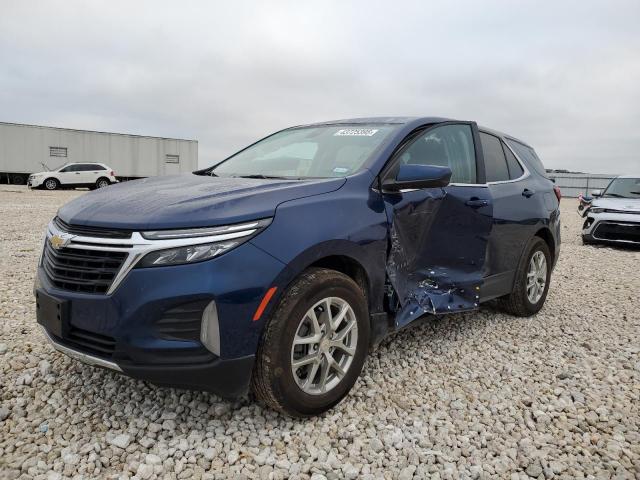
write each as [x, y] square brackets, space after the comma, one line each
[615, 228]
[34, 182]
[126, 330]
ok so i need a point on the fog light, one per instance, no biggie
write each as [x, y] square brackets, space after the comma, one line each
[210, 331]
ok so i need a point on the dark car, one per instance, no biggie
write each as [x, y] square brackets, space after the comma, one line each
[276, 269]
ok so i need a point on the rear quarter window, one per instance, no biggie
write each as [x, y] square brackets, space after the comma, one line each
[529, 156]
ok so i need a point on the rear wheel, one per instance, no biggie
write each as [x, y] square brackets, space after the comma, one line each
[51, 184]
[17, 179]
[532, 281]
[314, 345]
[102, 182]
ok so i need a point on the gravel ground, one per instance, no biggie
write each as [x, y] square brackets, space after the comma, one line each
[478, 395]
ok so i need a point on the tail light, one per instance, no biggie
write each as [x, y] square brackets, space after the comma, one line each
[556, 190]
[113, 174]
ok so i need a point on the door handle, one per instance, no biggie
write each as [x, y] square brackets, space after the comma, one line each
[77, 173]
[476, 202]
[527, 193]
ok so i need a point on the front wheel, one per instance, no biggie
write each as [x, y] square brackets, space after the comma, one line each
[532, 281]
[51, 184]
[314, 345]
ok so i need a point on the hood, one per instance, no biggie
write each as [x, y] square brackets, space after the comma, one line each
[188, 200]
[631, 205]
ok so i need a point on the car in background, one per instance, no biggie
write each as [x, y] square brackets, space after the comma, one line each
[74, 175]
[614, 214]
[278, 268]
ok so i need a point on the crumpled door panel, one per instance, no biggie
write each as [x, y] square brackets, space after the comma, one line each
[437, 250]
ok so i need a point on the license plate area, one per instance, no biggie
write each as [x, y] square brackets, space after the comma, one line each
[52, 313]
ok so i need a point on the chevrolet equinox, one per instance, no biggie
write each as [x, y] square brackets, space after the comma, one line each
[275, 270]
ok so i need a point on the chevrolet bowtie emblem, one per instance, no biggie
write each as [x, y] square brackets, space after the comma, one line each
[60, 241]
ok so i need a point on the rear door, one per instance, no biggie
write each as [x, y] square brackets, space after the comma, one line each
[439, 236]
[516, 212]
[93, 172]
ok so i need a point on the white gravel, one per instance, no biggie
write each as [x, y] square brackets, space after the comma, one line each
[478, 395]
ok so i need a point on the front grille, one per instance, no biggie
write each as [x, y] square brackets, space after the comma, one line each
[85, 231]
[90, 342]
[629, 232]
[81, 270]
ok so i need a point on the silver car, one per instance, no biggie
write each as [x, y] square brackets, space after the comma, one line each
[614, 214]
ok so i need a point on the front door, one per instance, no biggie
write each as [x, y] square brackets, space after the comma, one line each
[70, 175]
[436, 260]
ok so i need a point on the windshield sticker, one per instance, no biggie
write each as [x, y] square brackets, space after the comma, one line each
[340, 170]
[356, 132]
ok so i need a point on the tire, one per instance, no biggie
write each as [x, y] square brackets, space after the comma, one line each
[274, 380]
[518, 302]
[51, 184]
[587, 241]
[18, 179]
[102, 182]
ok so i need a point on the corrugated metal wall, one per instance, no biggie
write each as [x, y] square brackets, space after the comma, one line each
[573, 184]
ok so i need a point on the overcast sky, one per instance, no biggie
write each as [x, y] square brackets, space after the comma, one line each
[564, 76]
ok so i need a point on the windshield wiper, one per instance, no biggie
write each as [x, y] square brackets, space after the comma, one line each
[613, 195]
[260, 176]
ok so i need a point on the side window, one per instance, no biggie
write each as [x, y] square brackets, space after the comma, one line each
[528, 155]
[446, 146]
[495, 163]
[70, 168]
[515, 169]
[83, 168]
[93, 167]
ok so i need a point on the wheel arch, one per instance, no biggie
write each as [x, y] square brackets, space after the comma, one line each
[546, 235]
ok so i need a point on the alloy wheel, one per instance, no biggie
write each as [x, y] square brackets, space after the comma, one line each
[50, 184]
[536, 277]
[324, 345]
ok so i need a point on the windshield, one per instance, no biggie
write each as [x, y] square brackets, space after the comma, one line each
[307, 152]
[623, 188]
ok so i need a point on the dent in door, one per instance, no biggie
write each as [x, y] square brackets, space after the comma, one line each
[436, 255]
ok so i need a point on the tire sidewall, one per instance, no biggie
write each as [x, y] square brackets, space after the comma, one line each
[100, 181]
[284, 385]
[536, 245]
[46, 184]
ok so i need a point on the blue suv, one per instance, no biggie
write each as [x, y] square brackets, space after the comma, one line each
[275, 270]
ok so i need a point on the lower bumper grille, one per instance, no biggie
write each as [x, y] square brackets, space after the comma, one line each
[90, 342]
[81, 270]
[628, 232]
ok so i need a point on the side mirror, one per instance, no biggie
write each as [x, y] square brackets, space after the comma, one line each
[418, 176]
[596, 193]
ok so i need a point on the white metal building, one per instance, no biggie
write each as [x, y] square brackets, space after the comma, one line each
[26, 149]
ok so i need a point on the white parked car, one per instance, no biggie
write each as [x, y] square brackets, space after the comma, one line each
[614, 215]
[73, 175]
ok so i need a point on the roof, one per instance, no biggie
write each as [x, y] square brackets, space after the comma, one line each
[94, 131]
[388, 120]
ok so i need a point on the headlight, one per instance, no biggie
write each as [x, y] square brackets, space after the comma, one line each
[197, 244]
[597, 210]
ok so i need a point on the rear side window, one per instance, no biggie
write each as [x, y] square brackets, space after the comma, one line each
[515, 169]
[94, 166]
[446, 146]
[495, 163]
[528, 155]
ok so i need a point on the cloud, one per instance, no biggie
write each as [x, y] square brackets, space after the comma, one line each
[562, 75]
